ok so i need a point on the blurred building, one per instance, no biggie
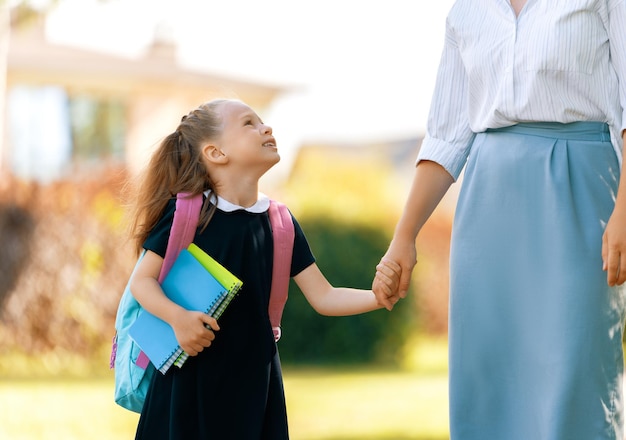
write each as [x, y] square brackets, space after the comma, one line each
[69, 110]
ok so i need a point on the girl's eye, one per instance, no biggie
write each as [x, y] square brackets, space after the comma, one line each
[248, 122]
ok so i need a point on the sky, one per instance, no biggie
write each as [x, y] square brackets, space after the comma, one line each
[357, 70]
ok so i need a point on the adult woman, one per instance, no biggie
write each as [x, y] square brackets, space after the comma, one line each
[530, 99]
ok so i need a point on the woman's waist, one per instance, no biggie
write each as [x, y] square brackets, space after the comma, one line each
[581, 130]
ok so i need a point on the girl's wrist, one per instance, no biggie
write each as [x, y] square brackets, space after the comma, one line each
[175, 314]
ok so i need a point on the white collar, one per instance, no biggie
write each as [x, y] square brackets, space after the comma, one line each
[262, 204]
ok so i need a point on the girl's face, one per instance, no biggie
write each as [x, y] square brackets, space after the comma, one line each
[245, 139]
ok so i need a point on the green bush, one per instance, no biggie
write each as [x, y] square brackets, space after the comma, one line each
[347, 254]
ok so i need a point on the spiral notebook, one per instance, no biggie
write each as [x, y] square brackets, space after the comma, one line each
[224, 277]
[191, 285]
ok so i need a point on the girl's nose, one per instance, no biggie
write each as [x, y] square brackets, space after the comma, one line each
[266, 129]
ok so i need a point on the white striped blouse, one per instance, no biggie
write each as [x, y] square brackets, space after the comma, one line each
[558, 61]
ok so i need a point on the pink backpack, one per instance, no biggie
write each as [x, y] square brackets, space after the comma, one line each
[132, 367]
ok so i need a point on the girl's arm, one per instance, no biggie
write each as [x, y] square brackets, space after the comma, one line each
[189, 326]
[430, 183]
[614, 237]
[342, 301]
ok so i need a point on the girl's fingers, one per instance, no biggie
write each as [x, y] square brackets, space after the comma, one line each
[210, 321]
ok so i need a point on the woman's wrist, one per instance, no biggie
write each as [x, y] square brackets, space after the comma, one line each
[405, 233]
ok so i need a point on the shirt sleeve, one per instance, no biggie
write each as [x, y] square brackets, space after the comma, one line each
[617, 42]
[448, 133]
[302, 255]
[159, 236]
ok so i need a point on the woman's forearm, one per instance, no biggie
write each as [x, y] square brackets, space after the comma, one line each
[430, 184]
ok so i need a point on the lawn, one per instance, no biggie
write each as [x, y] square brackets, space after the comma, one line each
[323, 404]
[367, 405]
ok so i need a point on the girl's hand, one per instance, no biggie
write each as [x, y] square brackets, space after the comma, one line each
[191, 331]
[385, 285]
[614, 247]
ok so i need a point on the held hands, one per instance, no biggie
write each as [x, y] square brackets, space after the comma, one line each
[385, 285]
[400, 260]
[191, 331]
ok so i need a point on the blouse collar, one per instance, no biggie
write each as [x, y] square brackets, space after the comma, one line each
[261, 205]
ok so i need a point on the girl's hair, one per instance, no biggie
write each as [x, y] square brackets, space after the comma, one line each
[176, 166]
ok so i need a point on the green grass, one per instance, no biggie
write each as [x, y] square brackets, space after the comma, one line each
[62, 409]
[328, 405]
[323, 404]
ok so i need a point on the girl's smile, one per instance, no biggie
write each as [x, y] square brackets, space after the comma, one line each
[270, 144]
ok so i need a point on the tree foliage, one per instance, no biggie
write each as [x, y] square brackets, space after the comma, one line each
[347, 254]
[78, 261]
[74, 260]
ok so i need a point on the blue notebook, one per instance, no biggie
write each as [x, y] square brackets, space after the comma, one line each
[192, 286]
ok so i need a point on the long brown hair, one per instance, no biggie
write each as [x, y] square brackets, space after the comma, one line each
[176, 166]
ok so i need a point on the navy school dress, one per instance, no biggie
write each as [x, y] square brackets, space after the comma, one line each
[233, 389]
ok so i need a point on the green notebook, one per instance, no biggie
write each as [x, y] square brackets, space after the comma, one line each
[221, 274]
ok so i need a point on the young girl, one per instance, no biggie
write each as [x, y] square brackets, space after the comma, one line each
[231, 386]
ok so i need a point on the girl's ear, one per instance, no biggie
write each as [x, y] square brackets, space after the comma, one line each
[214, 154]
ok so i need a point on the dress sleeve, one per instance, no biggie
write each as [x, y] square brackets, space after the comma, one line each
[448, 133]
[160, 234]
[302, 255]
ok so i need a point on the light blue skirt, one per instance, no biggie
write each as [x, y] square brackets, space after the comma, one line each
[535, 331]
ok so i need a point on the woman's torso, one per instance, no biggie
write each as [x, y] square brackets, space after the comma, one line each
[558, 61]
[551, 63]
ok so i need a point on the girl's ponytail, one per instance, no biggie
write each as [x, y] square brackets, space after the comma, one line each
[176, 166]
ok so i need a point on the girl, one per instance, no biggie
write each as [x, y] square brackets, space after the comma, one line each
[231, 387]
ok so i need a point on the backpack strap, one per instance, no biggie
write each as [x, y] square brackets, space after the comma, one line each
[283, 234]
[186, 217]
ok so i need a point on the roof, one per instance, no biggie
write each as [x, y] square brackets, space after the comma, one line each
[32, 59]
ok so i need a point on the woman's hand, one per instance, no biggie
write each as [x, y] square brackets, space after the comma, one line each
[614, 247]
[402, 257]
[194, 331]
[614, 237]
[386, 281]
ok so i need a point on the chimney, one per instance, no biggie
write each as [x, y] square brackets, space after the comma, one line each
[163, 45]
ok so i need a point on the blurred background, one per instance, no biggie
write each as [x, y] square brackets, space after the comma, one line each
[89, 89]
